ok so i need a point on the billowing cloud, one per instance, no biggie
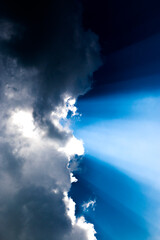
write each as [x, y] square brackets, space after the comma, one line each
[46, 61]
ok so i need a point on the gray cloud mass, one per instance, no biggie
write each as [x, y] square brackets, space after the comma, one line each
[45, 56]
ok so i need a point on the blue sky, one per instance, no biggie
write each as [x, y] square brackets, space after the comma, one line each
[121, 135]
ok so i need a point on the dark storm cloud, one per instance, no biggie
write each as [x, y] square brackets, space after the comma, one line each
[34, 213]
[49, 36]
[45, 56]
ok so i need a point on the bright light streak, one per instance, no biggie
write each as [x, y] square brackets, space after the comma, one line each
[131, 142]
[124, 131]
[132, 146]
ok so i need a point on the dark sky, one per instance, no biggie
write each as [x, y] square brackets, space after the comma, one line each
[121, 23]
[128, 34]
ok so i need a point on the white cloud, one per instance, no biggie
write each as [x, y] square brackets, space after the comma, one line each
[73, 146]
[80, 226]
[90, 204]
[24, 122]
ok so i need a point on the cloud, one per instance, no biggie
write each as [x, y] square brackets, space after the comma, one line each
[90, 204]
[46, 61]
[32, 214]
[53, 41]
